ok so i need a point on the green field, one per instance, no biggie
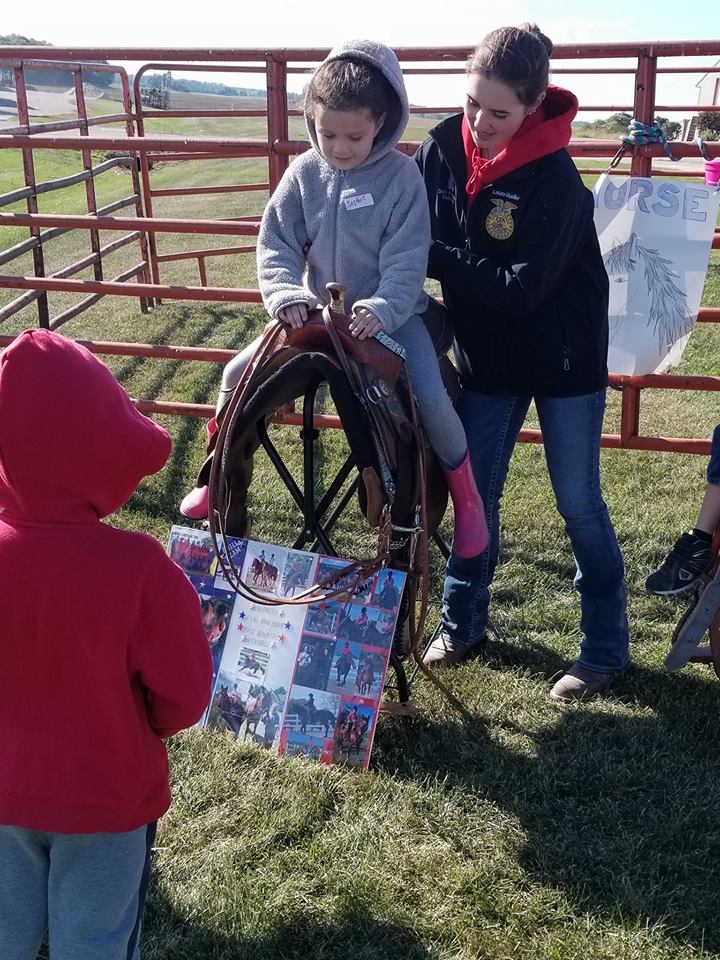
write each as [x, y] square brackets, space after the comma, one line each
[532, 833]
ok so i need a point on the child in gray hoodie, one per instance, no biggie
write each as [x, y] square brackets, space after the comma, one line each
[354, 210]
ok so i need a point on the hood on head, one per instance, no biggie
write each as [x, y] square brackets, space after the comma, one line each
[72, 445]
[384, 60]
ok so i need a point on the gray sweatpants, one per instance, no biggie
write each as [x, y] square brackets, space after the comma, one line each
[442, 426]
[86, 890]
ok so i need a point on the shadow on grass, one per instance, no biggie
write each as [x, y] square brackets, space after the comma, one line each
[531, 655]
[619, 808]
[353, 932]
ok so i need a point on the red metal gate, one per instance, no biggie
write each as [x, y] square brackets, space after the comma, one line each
[139, 151]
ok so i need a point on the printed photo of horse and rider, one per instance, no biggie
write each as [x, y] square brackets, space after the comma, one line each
[252, 663]
[368, 625]
[263, 566]
[355, 622]
[346, 658]
[357, 671]
[300, 745]
[247, 710]
[388, 589]
[323, 617]
[311, 712]
[297, 573]
[353, 733]
[328, 572]
[370, 674]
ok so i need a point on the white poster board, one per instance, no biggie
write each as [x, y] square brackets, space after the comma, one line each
[655, 237]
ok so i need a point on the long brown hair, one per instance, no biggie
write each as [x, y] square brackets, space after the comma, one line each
[516, 56]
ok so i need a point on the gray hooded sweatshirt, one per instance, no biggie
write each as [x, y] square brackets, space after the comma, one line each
[367, 228]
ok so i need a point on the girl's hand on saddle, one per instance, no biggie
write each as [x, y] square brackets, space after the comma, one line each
[364, 324]
[294, 316]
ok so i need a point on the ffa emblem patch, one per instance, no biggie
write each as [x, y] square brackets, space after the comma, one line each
[500, 224]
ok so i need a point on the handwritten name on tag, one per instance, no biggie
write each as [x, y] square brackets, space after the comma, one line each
[361, 200]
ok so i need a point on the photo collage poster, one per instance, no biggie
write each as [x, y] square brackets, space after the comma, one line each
[298, 678]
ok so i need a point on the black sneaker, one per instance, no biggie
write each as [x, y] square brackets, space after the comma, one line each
[682, 567]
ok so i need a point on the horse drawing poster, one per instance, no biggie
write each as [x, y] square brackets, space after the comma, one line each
[655, 237]
[303, 679]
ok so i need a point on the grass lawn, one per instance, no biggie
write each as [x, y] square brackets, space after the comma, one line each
[534, 832]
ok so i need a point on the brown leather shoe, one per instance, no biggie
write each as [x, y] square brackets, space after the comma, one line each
[446, 652]
[580, 684]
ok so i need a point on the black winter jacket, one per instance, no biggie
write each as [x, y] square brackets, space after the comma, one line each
[521, 272]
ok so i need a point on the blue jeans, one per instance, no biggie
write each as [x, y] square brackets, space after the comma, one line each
[87, 890]
[571, 428]
[713, 467]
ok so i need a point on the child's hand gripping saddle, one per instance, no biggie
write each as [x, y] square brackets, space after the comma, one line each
[373, 368]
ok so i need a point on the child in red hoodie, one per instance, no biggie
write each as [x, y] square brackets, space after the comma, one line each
[102, 656]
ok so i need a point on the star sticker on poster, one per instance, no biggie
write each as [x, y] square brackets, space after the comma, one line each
[240, 626]
[282, 638]
[241, 615]
[288, 625]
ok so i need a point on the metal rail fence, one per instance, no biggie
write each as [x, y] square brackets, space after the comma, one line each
[138, 151]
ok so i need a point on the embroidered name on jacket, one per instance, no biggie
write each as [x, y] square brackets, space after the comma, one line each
[499, 223]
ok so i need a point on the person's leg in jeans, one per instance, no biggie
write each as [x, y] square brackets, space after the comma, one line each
[571, 428]
[96, 892]
[709, 515]
[24, 868]
[440, 422]
[232, 372]
[195, 504]
[446, 435]
[492, 424]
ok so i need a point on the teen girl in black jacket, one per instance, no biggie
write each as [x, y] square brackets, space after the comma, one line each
[518, 260]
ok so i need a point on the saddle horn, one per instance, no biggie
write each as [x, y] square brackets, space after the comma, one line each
[337, 297]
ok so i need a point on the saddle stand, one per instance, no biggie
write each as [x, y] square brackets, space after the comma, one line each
[315, 534]
[317, 521]
[387, 458]
[316, 529]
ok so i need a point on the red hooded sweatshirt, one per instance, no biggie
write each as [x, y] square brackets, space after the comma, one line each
[102, 649]
[545, 130]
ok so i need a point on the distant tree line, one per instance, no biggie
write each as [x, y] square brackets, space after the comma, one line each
[49, 78]
[166, 81]
[618, 124]
[16, 40]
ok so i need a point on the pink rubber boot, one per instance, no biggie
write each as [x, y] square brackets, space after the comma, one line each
[195, 505]
[471, 532]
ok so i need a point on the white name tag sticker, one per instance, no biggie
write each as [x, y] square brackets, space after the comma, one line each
[361, 200]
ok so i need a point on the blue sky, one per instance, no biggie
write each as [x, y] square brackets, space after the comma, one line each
[325, 22]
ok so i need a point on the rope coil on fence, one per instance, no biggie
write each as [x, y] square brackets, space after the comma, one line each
[638, 135]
